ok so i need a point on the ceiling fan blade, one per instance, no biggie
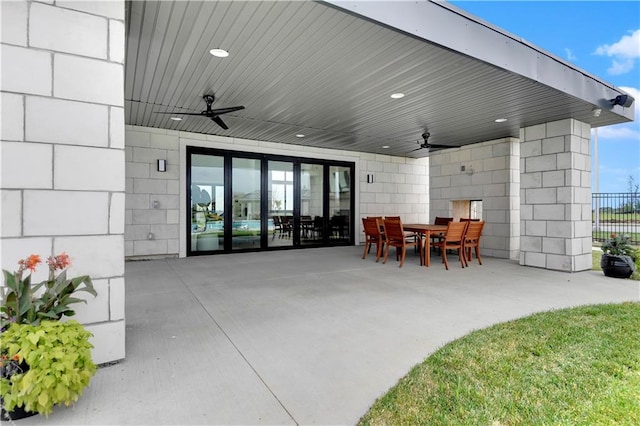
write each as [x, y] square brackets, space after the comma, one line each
[179, 113]
[219, 122]
[219, 111]
[417, 149]
[436, 146]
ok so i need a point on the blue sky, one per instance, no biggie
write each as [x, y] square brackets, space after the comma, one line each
[600, 37]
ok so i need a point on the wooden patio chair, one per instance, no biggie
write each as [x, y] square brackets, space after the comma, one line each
[472, 240]
[373, 235]
[397, 237]
[439, 220]
[453, 239]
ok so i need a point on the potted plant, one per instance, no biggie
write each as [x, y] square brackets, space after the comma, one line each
[54, 365]
[618, 257]
[44, 361]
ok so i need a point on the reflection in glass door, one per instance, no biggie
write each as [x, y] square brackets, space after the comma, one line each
[247, 201]
[280, 203]
[207, 203]
[246, 198]
[312, 226]
[340, 203]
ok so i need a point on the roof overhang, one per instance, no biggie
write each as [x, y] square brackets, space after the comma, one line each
[327, 70]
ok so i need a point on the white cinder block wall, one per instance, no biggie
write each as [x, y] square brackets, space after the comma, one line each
[556, 196]
[491, 175]
[152, 214]
[62, 153]
[400, 185]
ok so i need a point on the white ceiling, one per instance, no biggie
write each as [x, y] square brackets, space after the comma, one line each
[316, 69]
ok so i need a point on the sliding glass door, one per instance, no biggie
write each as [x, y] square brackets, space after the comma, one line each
[340, 202]
[312, 217]
[206, 203]
[280, 204]
[247, 196]
[246, 202]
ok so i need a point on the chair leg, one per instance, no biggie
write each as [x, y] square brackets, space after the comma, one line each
[444, 258]
[462, 257]
[477, 254]
[404, 252]
[367, 246]
[386, 254]
[379, 248]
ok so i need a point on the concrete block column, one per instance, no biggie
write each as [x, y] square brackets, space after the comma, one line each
[555, 196]
[62, 179]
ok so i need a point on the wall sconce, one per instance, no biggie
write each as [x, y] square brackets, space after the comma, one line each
[370, 178]
[162, 165]
[150, 236]
[156, 204]
[467, 171]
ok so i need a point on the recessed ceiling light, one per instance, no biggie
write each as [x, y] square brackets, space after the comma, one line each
[176, 118]
[220, 53]
[385, 146]
[500, 120]
[397, 95]
[299, 135]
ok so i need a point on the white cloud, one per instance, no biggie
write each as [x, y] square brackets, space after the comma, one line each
[570, 55]
[627, 47]
[620, 67]
[624, 53]
[618, 132]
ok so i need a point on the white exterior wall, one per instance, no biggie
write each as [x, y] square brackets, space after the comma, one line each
[556, 196]
[62, 153]
[400, 185]
[491, 175]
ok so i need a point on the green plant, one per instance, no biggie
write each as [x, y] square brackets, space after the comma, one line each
[618, 245]
[27, 303]
[58, 355]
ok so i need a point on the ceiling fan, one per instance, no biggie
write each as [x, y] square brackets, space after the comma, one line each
[210, 113]
[429, 146]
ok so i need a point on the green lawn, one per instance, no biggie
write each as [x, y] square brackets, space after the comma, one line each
[577, 366]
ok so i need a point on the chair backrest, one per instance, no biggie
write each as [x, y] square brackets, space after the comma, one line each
[455, 231]
[474, 231]
[392, 217]
[276, 220]
[393, 229]
[442, 220]
[466, 219]
[371, 226]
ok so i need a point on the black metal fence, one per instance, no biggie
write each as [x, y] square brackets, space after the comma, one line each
[617, 213]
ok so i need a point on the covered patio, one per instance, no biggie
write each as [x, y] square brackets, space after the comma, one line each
[301, 337]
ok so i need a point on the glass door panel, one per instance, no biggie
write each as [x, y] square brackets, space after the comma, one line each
[340, 203]
[207, 203]
[312, 226]
[280, 203]
[245, 206]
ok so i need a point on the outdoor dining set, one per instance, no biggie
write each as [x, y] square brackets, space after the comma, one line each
[443, 235]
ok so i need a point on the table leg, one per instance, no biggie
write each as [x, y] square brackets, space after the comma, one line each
[427, 249]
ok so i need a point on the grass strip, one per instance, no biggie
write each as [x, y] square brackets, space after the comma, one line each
[571, 366]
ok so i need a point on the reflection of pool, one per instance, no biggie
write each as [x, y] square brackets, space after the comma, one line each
[247, 225]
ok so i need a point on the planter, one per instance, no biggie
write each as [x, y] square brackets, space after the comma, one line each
[616, 266]
[9, 369]
[16, 414]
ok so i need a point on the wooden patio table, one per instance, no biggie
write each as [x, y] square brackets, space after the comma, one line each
[426, 230]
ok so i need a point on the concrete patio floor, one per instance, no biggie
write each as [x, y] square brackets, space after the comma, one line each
[301, 336]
